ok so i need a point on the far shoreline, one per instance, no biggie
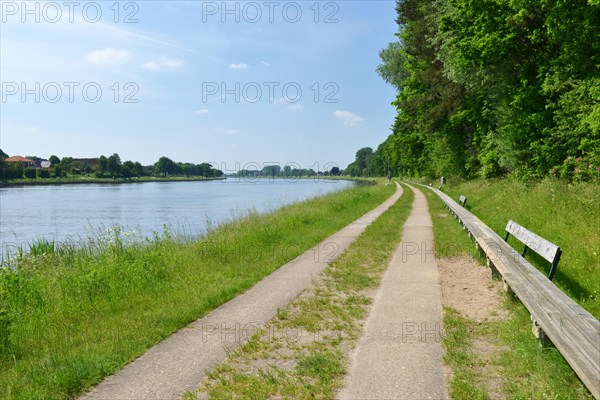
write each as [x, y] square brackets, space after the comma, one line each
[79, 181]
[104, 181]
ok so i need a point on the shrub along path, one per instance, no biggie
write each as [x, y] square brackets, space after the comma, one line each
[179, 363]
[400, 353]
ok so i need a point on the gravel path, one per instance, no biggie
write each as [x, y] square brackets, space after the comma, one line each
[180, 362]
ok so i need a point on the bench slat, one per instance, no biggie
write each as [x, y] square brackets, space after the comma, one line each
[507, 259]
[541, 290]
[543, 247]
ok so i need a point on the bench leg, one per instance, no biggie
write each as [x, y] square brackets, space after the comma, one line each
[539, 333]
[479, 249]
[496, 275]
[507, 287]
[492, 267]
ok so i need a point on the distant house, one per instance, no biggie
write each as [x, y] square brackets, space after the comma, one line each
[37, 162]
[45, 164]
[25, 162]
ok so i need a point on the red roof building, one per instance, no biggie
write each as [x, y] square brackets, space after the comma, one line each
[25, 161]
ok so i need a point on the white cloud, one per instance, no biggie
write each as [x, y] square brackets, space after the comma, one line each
[238, 66]
[163, 62]
[109, 56]
[295, 107]
[348, 118]
[202, 111]
[151, 66]
[171, 62]
[266, 64]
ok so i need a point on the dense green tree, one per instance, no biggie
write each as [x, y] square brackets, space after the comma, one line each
[3, 155]
[109, 166]
[58, 171]
[138, 169]
[30, 173]
[165, 166]
[114, 165]
[271, 170]
[352, 169]
[361, 166]
[10, 170]
[67, 163]
[489, 87]
[127, 169]
[101, 166]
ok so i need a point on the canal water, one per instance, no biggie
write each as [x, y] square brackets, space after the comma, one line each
[73, 213]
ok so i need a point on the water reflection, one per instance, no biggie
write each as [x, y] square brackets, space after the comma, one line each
[73, 212]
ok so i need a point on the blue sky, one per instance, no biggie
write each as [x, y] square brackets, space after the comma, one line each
[230, 83]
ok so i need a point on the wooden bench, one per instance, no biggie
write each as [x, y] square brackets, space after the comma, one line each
[571, 329]
[548, 250]
[462, 200]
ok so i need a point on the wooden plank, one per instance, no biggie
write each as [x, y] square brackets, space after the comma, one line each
[498, 252]
[546, 293]
[555, 321]
[543, 247]
[572, 329]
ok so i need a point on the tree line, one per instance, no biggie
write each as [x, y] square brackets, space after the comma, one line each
[487, 88]
[104, 167]
[286, 171]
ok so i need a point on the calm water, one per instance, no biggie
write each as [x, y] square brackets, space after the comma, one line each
[74, 212]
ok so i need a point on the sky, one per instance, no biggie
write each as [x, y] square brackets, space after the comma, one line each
[236, 84]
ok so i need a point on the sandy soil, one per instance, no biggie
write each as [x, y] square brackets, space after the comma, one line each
[468, 288]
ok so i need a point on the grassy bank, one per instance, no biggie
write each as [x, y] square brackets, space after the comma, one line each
[565, 214]
[90, 179]
[70, 317]
[521, 366]
[322, 325]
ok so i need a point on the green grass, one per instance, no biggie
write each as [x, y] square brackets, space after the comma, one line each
[565, 214]
[526, 369]
[69, 317]
[328, 319]
[460, 358]
[451, 240]
[530, 369]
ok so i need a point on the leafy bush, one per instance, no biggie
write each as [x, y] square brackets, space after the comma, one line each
[578, 169]
[10, 170]
[30, 173]
[58, 171]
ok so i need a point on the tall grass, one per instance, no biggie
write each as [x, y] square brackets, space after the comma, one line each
[70, 318]
[565, 214]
